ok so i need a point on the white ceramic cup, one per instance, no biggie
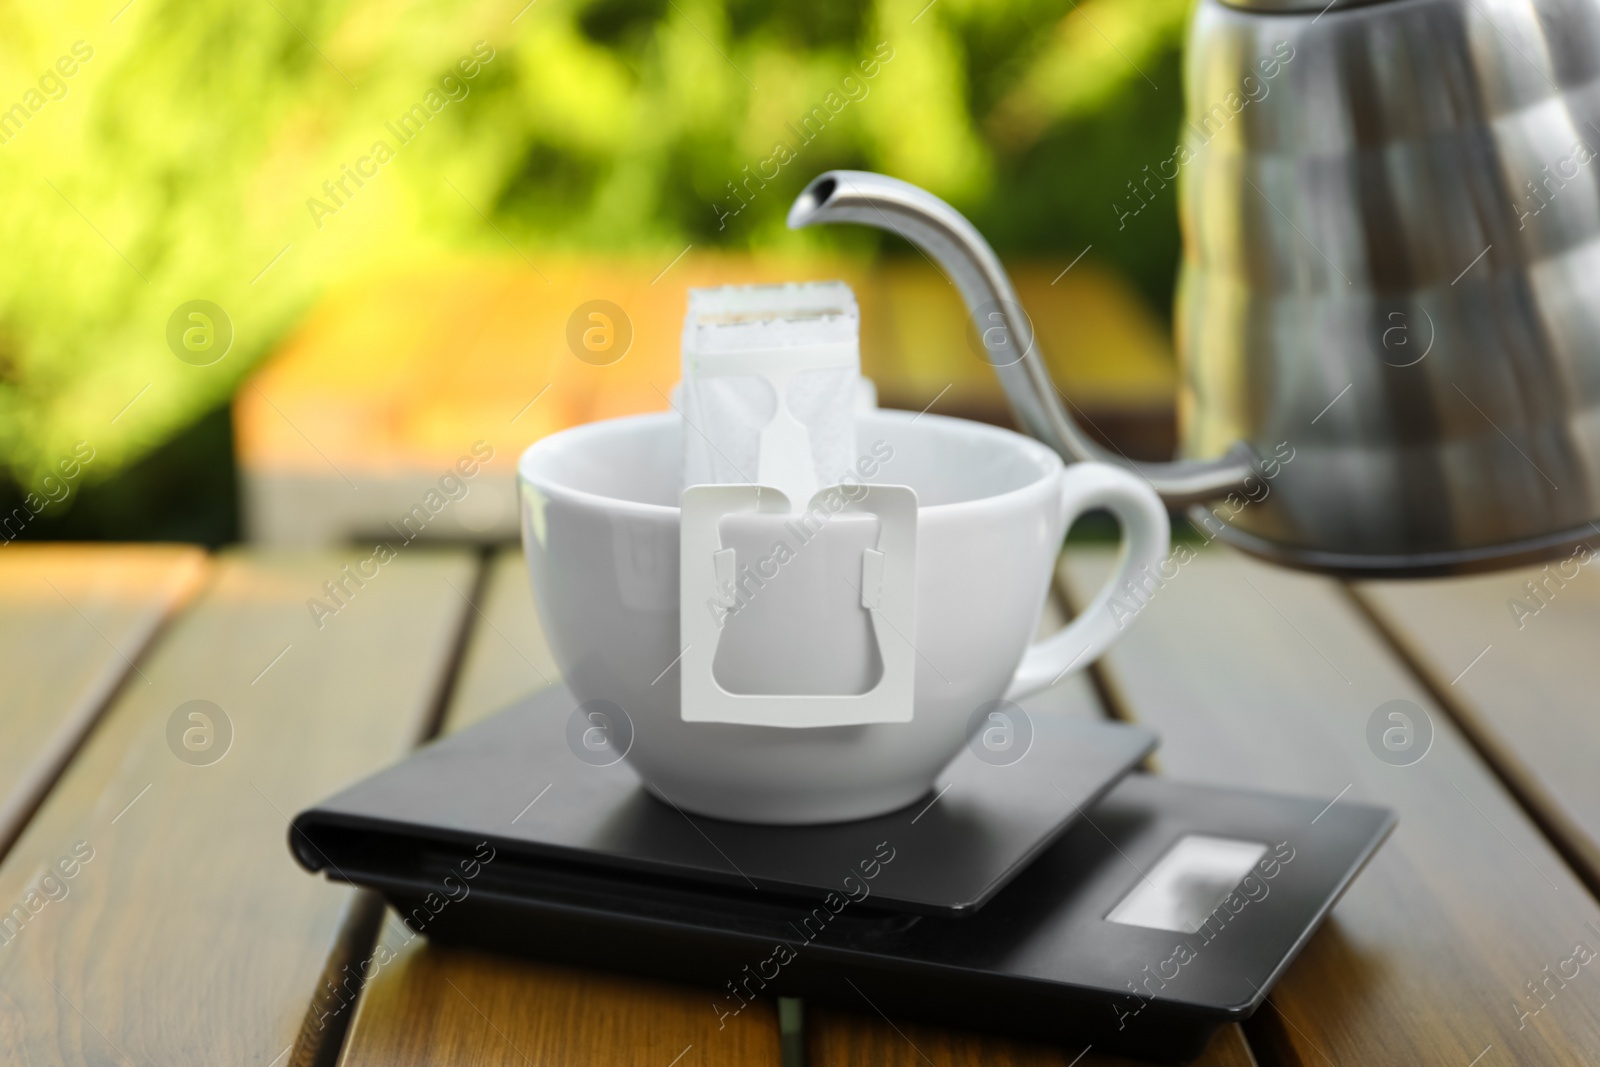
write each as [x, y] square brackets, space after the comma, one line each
[600, 528]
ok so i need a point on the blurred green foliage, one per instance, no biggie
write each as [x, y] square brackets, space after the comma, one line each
[186, 156]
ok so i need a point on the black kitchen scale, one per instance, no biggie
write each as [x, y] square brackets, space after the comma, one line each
[1059, 897]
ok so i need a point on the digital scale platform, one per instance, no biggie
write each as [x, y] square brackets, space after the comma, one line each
[1059, 898]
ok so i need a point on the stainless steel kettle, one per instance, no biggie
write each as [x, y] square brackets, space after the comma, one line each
[1391, 274]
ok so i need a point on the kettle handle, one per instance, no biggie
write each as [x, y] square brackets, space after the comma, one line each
[956, 245]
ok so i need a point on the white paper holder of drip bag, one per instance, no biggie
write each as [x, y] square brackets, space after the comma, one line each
[885, 585]
[771, 377]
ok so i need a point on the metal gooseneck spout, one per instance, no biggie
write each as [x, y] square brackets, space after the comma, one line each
[955, 244]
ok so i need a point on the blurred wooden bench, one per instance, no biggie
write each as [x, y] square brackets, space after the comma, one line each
[190, 937]
[388, 384]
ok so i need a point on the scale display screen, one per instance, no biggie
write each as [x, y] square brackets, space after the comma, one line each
[1188, 883]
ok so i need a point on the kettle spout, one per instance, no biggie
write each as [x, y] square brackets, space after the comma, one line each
[953, 243]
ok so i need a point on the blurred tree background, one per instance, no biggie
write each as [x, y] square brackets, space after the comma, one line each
[185, 155]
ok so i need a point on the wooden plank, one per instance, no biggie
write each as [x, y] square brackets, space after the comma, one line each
[846, 1039]
[434, 1004]
[1517, 668]
[1264, 677]
[74, 620]
[162, 920]
[508, 657]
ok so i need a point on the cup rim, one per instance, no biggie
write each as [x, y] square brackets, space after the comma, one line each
[1050, 464]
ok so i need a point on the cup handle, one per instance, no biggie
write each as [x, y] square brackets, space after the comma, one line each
[1145, 538]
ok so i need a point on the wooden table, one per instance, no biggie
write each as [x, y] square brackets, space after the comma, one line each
[185, 934]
